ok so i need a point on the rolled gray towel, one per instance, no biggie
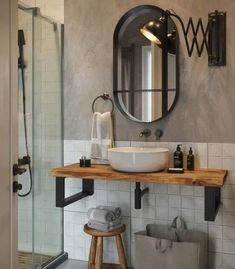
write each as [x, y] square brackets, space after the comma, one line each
[111, 223]
[116, 210]
[100, 215]
[103, 227]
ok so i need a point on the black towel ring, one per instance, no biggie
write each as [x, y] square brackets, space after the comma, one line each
[104, 96]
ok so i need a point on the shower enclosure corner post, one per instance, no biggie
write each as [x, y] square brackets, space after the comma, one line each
[62, 112]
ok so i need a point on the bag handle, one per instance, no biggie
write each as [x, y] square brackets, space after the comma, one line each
[182, 223]
[159, 246]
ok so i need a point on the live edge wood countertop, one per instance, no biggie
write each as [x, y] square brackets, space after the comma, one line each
[202, 177]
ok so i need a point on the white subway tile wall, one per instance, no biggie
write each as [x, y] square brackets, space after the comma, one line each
[161, 205]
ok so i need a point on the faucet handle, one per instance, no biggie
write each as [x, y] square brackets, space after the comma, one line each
[145, 133]
[158, 133]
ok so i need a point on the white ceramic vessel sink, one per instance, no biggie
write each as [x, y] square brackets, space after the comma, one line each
[136, 159]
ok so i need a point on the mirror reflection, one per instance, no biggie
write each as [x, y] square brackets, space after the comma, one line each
[145, 74]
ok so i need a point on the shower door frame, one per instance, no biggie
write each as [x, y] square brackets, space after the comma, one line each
[8, 133]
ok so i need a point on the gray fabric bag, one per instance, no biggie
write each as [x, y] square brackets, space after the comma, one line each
[169, 247]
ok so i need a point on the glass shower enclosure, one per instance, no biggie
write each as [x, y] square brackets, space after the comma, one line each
[40, 223]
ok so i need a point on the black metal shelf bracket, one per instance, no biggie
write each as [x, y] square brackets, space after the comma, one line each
[139, 194]
[62, 201]
[212, 196]
[212, 202]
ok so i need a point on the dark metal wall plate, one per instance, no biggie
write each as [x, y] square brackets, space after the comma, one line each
[217, 39]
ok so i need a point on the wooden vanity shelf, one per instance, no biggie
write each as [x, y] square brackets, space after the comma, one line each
[211, 179]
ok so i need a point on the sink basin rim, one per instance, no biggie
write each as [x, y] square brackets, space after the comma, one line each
[138, 150]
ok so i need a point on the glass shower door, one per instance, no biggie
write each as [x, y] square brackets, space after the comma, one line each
[47, 141]
[40, 222]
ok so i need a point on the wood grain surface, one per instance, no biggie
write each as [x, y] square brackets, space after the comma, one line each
[202, 177]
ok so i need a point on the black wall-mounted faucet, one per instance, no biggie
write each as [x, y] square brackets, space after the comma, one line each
[145, 133]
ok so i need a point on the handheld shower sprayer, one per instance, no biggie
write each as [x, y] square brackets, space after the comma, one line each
[21, 43]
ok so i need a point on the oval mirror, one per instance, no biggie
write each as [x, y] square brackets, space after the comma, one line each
[146, 74]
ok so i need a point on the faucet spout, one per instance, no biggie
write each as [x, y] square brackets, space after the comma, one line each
[145, 133]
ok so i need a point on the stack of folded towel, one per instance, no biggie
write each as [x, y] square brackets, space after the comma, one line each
[104, 218]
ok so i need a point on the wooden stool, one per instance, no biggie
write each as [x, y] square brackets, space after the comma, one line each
[96, 249]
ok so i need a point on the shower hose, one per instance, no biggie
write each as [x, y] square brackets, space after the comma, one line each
[22, 66]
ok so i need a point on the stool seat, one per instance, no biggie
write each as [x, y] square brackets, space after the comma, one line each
[96, 249]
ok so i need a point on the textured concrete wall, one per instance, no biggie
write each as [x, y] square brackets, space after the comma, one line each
[206, 106]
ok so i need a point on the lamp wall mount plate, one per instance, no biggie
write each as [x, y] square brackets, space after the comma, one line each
[217, 39]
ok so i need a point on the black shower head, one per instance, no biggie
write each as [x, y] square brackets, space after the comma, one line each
[21, 39]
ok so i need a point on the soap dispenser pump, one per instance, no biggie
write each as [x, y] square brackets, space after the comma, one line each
[178, 157]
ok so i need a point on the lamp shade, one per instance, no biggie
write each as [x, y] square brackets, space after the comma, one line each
[154, 30]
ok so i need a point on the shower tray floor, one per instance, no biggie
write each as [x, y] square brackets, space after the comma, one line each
[25, 259]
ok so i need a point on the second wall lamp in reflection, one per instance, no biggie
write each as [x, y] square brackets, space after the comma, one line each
[212, 37]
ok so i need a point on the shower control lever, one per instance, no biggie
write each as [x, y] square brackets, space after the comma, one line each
[16, 186]
[17, 170]
[24, 161]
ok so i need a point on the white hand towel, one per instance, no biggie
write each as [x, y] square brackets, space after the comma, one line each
[101, 136]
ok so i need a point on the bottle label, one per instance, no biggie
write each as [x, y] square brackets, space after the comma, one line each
[178, 163]
[190, 163]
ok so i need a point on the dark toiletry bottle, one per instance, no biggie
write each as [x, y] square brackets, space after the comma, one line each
[178, 158]
[190, 160]
[84, 162]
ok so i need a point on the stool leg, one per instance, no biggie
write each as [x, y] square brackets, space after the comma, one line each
[99, 253]
[121, 253]
[92, 254]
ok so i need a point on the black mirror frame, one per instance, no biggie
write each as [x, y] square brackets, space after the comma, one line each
[128, 16]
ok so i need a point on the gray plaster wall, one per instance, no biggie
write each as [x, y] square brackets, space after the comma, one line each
[205, 111]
